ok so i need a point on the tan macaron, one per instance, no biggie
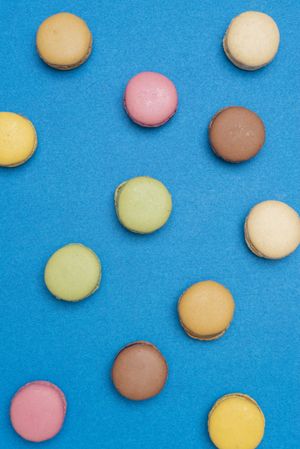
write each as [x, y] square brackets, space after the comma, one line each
[236, 421]
[251, 40]
[272, 230]
[64, 41]
[18, 139]
[206, 310]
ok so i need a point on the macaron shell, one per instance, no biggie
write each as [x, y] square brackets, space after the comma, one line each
[73, 272]
[64, 41]
[236, 134]
[272, 229]
[38, 411]
[143, 204]
[252, 40]
[18, 139]
[150, 99]
[206, 310]
[236, 420]
[139, 371]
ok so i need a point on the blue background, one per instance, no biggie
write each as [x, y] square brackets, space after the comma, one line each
[87, 146]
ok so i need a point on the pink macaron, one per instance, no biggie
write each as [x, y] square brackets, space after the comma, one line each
[150, 99]
[38, 410]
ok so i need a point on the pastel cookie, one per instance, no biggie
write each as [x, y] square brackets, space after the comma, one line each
[64, 41]
[143, 204]
[236, 134]
[251, 40]
[73, 272]
[205, 310]
[139, 371]
[272, 230]
[38, 410]
[150, 99]
[236, 421]
[18, 139]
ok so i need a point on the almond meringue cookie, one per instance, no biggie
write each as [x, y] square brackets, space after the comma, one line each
[143, 204]
[236, 421]
[139, 371]
[64, 41]
[206, 310]
[18, 139]
[251, 40]
[272, 230]
[73, 272]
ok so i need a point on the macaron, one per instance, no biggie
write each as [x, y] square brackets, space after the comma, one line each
[143, 204]
[272, 229]
[38, 410]
[206, 310]
[236, 421]
[236, 134]
[64, 41]
[73, 272]
[18, 139]
[251, 40]
[150, 99]
[139, 371]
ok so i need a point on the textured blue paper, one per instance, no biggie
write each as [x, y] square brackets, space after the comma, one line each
[87, 146]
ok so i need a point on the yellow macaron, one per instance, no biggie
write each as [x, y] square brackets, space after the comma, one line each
[236, 421]
[18, 139]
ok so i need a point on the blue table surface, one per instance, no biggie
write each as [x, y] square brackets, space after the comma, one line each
[87, 146]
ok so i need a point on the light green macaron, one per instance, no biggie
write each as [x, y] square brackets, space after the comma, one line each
[73, 272]
[143, 204]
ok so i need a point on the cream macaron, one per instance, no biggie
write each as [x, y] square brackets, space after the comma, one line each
[206, 310]
[73, 272]
[18, 139]
[251, 40]
[272, 229]
[64, 41]
[143, 204]
[236, 421]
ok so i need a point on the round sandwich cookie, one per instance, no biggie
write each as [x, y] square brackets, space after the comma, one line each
[64, 41]
[38, 410]
[18, 139]
[251, 40]
[150, 99]
[139, 371]
[206, 310]
[73, 272]
[236, 421]
[236, 134]
[272, 229]
[143, 204]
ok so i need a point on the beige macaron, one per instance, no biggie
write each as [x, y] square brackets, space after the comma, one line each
[64, 41]
[205, 310]
[236, 421]
[251, 40]
[272, 229]
[18, 139]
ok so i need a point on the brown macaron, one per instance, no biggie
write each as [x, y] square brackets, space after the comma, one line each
[236, 134]
[139, 371]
